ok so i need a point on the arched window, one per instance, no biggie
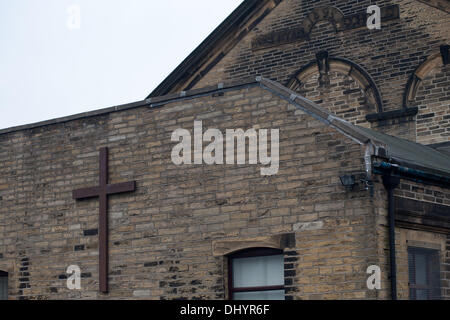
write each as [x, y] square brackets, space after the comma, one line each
[256, 274]
[3, 285]
[339, 85]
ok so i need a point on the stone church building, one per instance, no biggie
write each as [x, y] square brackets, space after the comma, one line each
[357, 124]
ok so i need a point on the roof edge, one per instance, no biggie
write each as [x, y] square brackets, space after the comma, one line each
[151, 102]
[316, 111]
[242, 14]
[304, 104]
[349, 130]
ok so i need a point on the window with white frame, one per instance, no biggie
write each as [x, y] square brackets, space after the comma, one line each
[256, 274]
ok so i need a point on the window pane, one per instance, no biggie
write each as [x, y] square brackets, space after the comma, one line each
[421, 269]
[421, 294]
[3, 288]
[412, 294]
[424, 273]
[260, 295]
[258, 271]
[411, 267]
[435, 275]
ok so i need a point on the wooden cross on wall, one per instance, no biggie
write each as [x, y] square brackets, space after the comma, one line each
[102, 191]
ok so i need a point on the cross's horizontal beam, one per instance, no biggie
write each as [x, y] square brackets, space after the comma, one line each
[110, 189]
[121, 187]
[86, 193]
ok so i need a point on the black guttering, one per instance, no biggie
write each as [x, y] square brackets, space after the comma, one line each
[232, 21]
[408, 173]
[391, 175]
[390, 183]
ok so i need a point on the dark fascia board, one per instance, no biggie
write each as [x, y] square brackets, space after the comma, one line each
[240, 14]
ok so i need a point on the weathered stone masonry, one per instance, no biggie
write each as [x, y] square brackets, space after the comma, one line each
[170, 238]
[161, 236]
[390, 56]
[165, 238]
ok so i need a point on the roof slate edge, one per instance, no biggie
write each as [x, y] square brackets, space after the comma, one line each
[316, 111]
[245, 10]
[341, 125]
[151, 102]
[77, 116]
[304, 104]
[309, 107]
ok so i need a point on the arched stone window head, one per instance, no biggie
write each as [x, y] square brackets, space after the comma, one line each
[343, 87]
[435, 60]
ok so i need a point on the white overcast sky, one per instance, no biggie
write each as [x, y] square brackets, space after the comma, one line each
[121, 51]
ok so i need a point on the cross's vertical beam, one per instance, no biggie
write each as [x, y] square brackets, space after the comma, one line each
[103, 221]
[102, 191]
